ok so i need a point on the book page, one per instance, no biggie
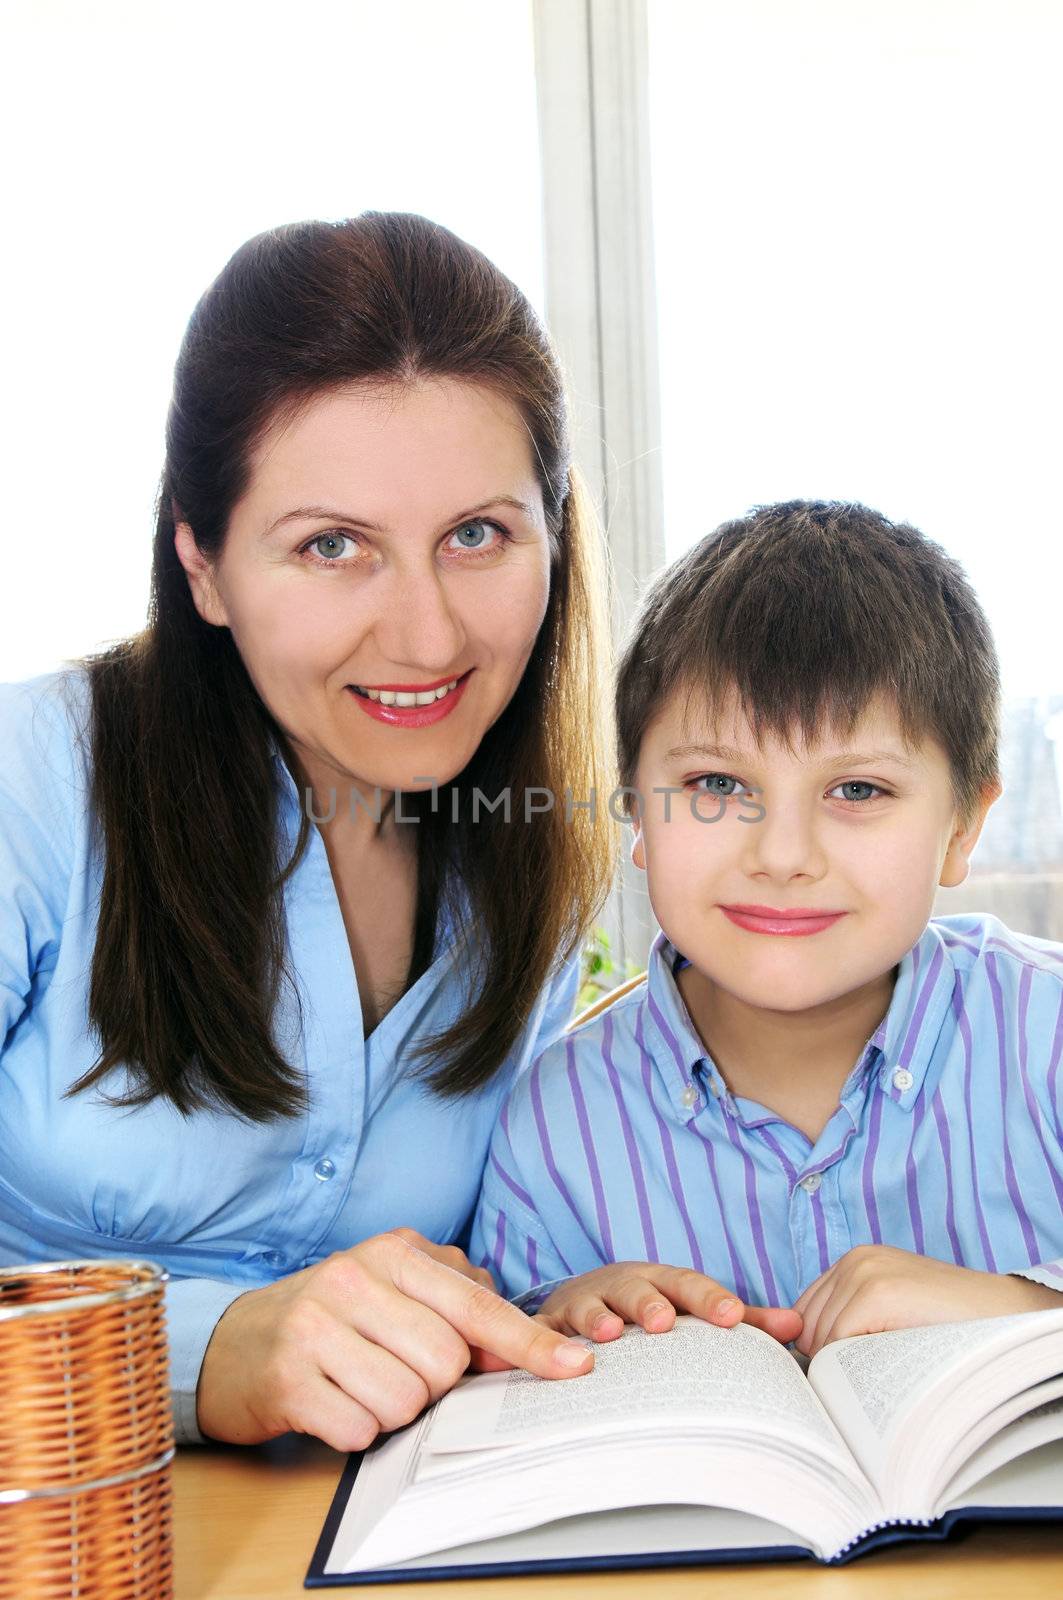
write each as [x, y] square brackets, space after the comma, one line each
[1041, 1424]
[699, 1415]
[695, 1376]
[637, 1531]
[993, 1423]
[872, 1383]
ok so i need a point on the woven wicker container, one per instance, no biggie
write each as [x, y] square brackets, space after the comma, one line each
[86, 1434]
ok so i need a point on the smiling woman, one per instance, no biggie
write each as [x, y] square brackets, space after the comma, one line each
[385, 598]
[258, 1039]
[398, 611]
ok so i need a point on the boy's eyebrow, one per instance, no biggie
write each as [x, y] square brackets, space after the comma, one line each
[726, 752]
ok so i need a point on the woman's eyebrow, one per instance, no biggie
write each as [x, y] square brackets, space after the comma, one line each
[312, 513]
[726, 752]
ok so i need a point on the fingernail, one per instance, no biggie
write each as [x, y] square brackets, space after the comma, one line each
[725, 1306]
[656, 1309]
[601, 1320]
[572, 1356]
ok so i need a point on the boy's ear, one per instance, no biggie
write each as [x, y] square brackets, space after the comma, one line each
[957, 862]
[200, 575]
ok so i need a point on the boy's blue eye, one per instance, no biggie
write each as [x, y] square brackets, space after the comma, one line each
[856, 783]
[716, 782]
[713, 780]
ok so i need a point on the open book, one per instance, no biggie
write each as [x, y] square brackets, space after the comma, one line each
[707, 1443]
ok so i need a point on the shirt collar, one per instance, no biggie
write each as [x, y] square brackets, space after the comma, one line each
[669, 1036]
[922, 997]
[903, 1043]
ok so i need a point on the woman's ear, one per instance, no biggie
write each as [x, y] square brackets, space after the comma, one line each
[200, 575]
[957, 862]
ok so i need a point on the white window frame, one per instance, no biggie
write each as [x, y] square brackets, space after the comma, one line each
[591, 64]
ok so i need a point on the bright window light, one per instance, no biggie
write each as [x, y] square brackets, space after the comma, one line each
[152, 140]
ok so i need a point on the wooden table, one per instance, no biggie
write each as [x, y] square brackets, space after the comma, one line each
[246, 1522]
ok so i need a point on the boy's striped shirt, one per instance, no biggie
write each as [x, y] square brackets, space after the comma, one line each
[623, 1142]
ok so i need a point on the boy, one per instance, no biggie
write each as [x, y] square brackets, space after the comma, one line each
[819, 1097]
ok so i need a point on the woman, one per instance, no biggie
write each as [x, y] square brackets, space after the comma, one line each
[268, 960]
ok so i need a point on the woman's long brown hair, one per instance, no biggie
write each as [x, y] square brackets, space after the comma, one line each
[190, 950]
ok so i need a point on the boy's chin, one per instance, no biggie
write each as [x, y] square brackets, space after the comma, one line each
[772, 985]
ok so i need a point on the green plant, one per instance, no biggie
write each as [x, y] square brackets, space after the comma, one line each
[600, 972]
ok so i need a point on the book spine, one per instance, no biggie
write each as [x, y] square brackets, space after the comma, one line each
[880, 1527]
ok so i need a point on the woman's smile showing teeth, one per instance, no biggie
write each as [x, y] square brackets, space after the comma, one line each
[412, 705]
[404, 697]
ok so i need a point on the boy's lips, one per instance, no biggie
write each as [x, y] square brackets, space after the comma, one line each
[769, 919]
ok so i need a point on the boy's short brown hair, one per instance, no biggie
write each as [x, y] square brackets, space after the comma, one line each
[807, 610]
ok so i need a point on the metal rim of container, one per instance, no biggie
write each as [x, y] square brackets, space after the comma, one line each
[156, 1276]
[10, 1497]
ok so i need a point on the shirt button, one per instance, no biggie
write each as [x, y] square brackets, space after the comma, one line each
[325, 1170]
[812, 1182]
[273, 1258]
[902, 1078]
[690, 1097]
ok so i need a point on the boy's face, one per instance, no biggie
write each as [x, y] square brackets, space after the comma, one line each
[863, 828]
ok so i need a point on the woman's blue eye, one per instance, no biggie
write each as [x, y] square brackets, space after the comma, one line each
[480, 530]
[337, 540]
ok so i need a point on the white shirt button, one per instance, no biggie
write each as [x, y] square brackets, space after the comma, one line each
[812, 1182]
[273, 1258]
[902, 1078]
[325, 1170]
[714, 1088]
[690, 1097]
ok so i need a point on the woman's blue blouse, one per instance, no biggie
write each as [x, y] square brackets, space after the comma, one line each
[223, 1204]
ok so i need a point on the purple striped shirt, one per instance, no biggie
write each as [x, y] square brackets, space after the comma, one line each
[623, 1141]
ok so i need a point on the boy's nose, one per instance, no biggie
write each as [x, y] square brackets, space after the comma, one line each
[784, 843]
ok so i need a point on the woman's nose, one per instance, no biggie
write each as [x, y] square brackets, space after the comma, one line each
[417, 624]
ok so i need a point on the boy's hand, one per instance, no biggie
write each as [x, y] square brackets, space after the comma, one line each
[875, 1287]
[598, 1303]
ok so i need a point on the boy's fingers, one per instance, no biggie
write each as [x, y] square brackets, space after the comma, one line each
[844, 1313]
[625, 1296]
[813, 1310]
[814, 1291]
[586, 1314]
[782, 1323]
[704, 1297]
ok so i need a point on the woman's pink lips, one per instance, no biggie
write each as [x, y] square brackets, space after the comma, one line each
[412, 716]
[792, 927]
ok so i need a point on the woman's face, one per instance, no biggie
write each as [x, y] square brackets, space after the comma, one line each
[392, 541]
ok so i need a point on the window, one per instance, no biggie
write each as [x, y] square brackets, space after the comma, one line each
[153, 140]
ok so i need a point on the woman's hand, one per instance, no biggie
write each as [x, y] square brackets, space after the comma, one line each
[362, 1342]
[876, 1287]
[598, 1303]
